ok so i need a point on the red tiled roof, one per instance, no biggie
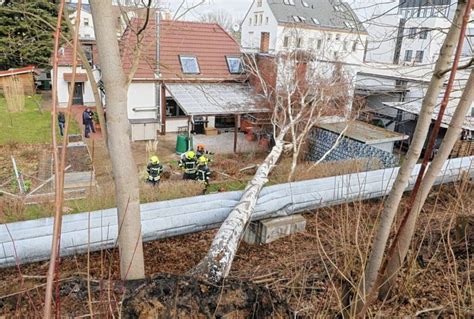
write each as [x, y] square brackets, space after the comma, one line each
[207, 41]
[26, 69]
[147, 62]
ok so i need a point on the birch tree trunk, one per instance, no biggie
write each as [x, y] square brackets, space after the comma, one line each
[123, 165]
[218, 261]
[424, 120]
[408, 229]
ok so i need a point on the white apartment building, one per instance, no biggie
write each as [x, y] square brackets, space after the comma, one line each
[328, 28]
[408, 32]
[424, 25]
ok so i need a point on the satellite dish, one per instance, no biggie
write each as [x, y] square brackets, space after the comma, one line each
[236, 27]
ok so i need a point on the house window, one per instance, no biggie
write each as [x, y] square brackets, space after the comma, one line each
[259, 3]
[424, 33]
[255, 17]
[345, 46]
[234, 64]
[411, 33]
[315, 21]
[173, 109]
[286, 41]
[260, 19]
[408, 55]
[86, 22]
[338, 37]
[329, 38]
[319, 44]
[250, 21]
[354, 46]
[419, 56]
[87, 35]
[189, 64]
[266, 20]
[87, 48]
[299, 42]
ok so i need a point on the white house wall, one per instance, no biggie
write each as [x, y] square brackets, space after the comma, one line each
[86, 26]
[63, 87]
[251, 31]
[141, 101]
[381, 21]
[335, 45]
[431, 45]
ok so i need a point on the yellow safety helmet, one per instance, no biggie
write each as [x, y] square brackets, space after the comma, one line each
[190, 155]
[154, 160]
[202, 160]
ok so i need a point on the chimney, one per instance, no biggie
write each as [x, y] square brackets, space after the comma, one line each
[264, 42]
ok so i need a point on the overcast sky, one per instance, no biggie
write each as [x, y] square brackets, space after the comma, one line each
[237, 8]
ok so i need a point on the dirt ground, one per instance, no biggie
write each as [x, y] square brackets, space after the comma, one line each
[310, 271]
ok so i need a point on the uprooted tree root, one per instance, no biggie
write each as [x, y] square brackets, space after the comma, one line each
[172, 296]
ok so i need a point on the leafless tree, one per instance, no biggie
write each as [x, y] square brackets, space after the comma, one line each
[124, 169]
[299, 97]
[392, 203]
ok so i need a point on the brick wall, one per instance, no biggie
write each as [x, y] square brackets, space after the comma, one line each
[320, 141]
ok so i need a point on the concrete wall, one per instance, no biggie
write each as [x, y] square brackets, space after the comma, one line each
[63, 86]
[321, 141]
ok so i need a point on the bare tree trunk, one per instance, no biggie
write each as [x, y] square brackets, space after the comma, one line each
[218, 261]
[419, 137]
[123, 165]
[407, 230]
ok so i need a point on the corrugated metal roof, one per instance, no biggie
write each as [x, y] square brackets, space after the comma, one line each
[363, 132]
[214, 98]
[414, 107]
[330, 14]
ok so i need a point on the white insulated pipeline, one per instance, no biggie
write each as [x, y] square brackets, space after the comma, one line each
[29, 241]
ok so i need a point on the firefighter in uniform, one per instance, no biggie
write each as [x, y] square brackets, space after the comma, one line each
[154, 170]
[203, 171]
[201, 150]
[188, 163]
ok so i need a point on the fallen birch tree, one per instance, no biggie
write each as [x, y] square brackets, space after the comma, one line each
[299, 99]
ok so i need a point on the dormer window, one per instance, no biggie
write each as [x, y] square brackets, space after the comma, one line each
[289, 2]
[315, 21]
[339, 8]
[86, 22]
[299, 19]
[234, 64]
[349, 25]
[305, 4]
[189, 64]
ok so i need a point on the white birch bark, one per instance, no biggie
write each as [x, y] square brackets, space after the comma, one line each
[217, 263]
[424, 120]
[123, 165]
[406, 233]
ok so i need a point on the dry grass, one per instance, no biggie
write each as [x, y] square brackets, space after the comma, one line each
[311, 270]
